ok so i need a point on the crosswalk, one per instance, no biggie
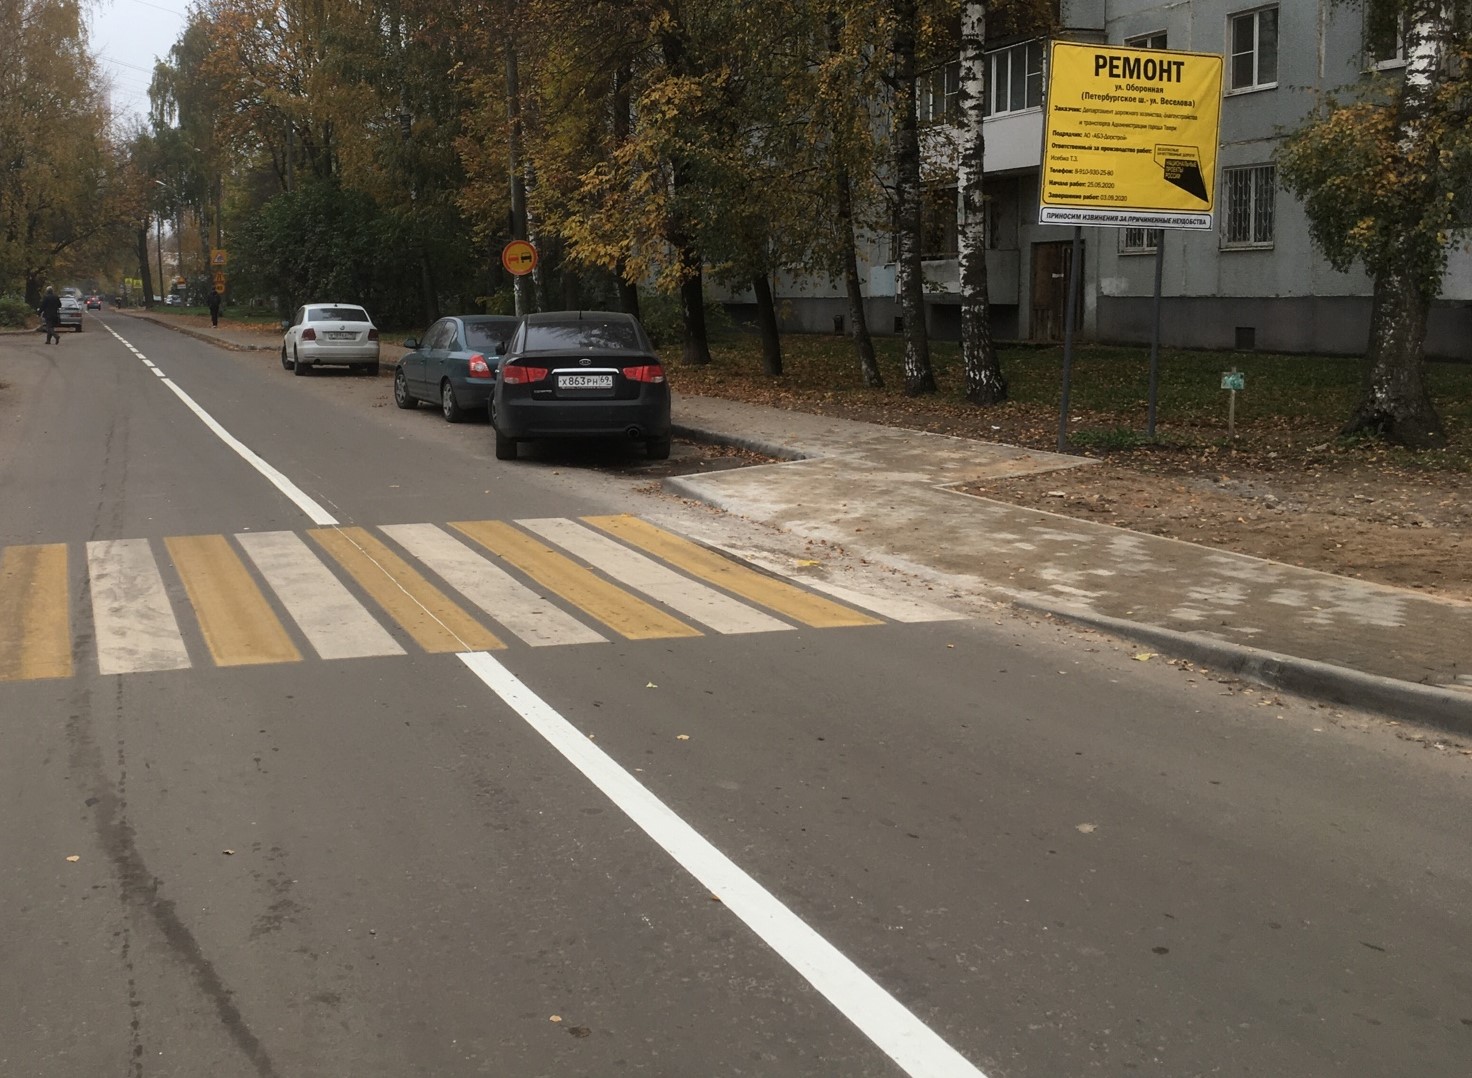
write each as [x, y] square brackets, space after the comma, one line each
[345, 592]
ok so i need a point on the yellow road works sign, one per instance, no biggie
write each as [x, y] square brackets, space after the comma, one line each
[1130, 137]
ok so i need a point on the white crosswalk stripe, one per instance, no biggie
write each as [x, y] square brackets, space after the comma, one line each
[335, 623]
[522, 611]
[131, 615]
[696, 601]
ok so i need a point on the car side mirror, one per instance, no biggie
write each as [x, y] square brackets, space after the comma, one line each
[411, 344]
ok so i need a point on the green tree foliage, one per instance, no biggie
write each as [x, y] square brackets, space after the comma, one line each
[58, 170]
[1384, 180]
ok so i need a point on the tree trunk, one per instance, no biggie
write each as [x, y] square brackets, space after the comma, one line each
[919, 378]
[766, 320]
[1396, 405]
[143, 268]
[522, 285]
[696, 350]
[628, 291]
[858, 321]
[985, 383]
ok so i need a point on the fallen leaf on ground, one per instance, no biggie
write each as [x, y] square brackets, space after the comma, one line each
[682, 737]
[1145, 656]
[1087, 828]
[651, 685]
[555, 1018]
[74, 857]
[228, 853]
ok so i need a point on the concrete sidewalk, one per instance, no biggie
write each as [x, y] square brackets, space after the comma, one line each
[886, 493]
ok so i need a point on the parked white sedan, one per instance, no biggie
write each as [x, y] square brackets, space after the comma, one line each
[332, 335]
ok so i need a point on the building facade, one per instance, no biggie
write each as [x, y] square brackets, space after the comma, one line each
[1254, 282]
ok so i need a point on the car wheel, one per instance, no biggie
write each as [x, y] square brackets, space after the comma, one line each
[297, 366]
[286, 364]
[449, 407]
[401, 392]
[505, 447]
[657, 448]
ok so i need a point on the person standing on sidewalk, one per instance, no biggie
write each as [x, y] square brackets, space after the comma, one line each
[214, 305]
[50, 311]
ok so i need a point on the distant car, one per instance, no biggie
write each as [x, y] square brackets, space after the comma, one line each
[330, 335]
[454, 365]
[580, 374]
[173, 299]
[71, 313]
[94, 302]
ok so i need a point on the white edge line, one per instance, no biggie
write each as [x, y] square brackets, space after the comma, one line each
[917, 1048]
[298, 497]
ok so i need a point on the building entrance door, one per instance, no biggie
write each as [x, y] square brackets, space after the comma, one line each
[1050, 265]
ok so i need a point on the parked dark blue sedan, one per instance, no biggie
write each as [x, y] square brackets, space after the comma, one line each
[580, 374]
[454, 364]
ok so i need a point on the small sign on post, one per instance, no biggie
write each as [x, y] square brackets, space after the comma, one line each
[1232, 381]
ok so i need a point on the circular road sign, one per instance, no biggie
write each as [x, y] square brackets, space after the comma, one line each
[519, 257]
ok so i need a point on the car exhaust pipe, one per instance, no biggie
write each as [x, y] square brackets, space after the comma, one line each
[634, 433]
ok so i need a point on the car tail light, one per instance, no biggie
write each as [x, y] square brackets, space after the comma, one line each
[309, 334]
[514, 374]
[373, 334]
[649, 372]
[479, 368]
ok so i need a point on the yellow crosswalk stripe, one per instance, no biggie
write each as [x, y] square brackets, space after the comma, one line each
[35, 621]
[778, 595]
[238, 624]
[435, 621]
[625, 614]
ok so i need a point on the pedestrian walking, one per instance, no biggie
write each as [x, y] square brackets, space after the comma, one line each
[50, 311]
[214, 306]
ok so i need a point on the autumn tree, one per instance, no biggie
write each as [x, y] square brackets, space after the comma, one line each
[1383, 181]
[57, 165]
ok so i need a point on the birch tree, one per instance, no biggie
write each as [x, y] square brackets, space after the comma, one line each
[1383, 181]
[909, 285]
[985, 382]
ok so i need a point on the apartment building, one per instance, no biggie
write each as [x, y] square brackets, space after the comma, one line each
[1254, 282]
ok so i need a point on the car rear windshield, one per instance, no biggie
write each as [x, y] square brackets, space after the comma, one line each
[608, 336]
[337, 314]
[488, 334]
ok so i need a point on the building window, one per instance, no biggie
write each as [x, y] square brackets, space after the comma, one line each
[938, 213]
[1385, 43]
[1247, 218]
[1147, 41]
[1138, 241]
[1014, 78]
[1253, 40]
[940, 94]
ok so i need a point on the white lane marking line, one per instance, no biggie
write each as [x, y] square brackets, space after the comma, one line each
[912, 1044]
[295, 494]
[689, 597]
[512, 604]
[894, 607]
[131, 613]
[335, 623]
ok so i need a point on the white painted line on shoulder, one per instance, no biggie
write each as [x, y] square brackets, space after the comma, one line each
[297, 496]
[912, 1044]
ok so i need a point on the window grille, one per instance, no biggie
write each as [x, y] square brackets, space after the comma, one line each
[1248, 217]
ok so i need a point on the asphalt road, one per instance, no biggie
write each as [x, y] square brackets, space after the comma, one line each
[842, 842]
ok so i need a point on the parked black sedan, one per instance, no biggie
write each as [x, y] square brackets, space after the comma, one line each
[454, 364]
[579, 374]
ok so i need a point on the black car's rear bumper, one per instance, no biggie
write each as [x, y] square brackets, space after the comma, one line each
[647, 416]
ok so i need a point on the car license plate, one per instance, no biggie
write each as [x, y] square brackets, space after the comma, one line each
[335, 336]
[585, 381]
